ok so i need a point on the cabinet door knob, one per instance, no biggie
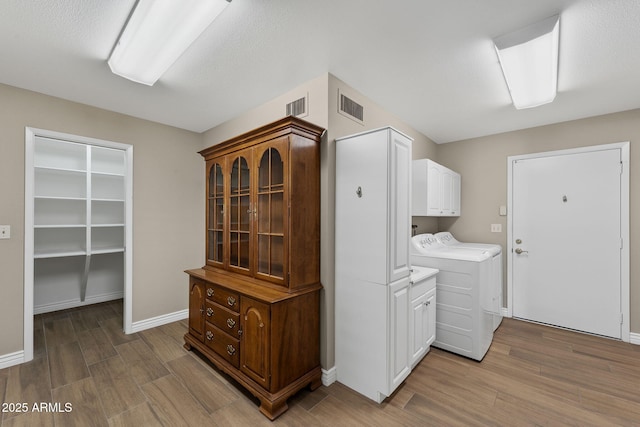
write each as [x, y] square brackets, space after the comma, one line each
[231, 350]
[209, 311]
[210, 292]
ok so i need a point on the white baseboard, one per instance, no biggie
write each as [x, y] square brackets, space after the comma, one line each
[153, 322]
[63, 305]
[329, 376]
[504, 311]
[11, 359]
[634, 338]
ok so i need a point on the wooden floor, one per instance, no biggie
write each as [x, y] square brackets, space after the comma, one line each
[86, 372]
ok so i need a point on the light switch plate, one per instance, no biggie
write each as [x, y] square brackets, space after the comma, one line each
[503, 210]
[5, 231]
[496, 228]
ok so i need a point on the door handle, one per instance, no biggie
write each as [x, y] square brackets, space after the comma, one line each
[520, 251]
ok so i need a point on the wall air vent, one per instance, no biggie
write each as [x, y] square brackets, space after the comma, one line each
[350, 108]
[298, 107]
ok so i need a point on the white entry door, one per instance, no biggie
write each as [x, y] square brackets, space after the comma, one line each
[566, 239]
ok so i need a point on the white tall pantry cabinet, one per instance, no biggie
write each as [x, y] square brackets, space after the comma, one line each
[373, 206]
[78, 223]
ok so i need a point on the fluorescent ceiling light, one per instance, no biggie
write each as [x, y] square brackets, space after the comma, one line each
[157, 33]
[529, 61]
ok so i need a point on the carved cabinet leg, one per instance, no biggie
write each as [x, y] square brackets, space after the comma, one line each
[273, 410]
[186, 345]
[315, 384]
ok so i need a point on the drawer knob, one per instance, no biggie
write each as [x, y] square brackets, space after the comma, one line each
[231, 350]
[210, 292]
[209, 335]
[231, 301]
[231, 323]
[209, 311]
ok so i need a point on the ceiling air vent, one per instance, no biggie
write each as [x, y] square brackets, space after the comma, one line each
[298, 107]
[350, 108]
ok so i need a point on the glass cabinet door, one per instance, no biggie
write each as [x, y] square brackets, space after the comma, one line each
[215, 202]
[239, 203]
[272, 213]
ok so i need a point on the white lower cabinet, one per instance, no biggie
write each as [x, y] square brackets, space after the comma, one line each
[376, 353]
[372, 337]
[399, 295]
[423, 313]
[423, 316]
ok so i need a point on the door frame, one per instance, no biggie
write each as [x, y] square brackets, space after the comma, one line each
[624, 224]
[29, 185]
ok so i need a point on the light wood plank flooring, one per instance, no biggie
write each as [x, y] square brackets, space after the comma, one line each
[533, 375]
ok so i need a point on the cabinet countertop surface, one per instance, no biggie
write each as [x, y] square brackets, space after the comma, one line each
[249, 286]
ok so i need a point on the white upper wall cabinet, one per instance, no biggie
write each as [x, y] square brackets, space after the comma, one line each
[435, 189]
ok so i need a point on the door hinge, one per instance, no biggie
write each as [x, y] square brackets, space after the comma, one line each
[621, 168]
[621, 243]
[621, 318]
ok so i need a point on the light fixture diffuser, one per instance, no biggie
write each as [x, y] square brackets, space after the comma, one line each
[157, 33]
[529, 61]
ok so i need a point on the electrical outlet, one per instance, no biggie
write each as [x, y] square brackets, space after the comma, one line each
[496, 228]
[5, 231]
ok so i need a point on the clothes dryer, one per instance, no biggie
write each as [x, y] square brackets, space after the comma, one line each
[496, 269]
[464, 316]
[447, 239]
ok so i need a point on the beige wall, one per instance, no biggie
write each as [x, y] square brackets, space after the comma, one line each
[273, 110]
[482, 162]
[168, 207]
[323, 111]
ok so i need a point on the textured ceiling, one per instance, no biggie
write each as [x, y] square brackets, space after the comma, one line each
[430, 62]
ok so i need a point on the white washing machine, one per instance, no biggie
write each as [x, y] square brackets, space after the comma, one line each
[464, 315]
[496, 269]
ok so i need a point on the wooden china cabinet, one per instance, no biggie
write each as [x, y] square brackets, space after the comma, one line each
[254, 307]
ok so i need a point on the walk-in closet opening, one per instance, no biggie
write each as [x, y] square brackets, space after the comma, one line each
[78, 234]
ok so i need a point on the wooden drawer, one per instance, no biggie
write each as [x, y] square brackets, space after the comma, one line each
[223, 318]
[223, 344]
[222, 296]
